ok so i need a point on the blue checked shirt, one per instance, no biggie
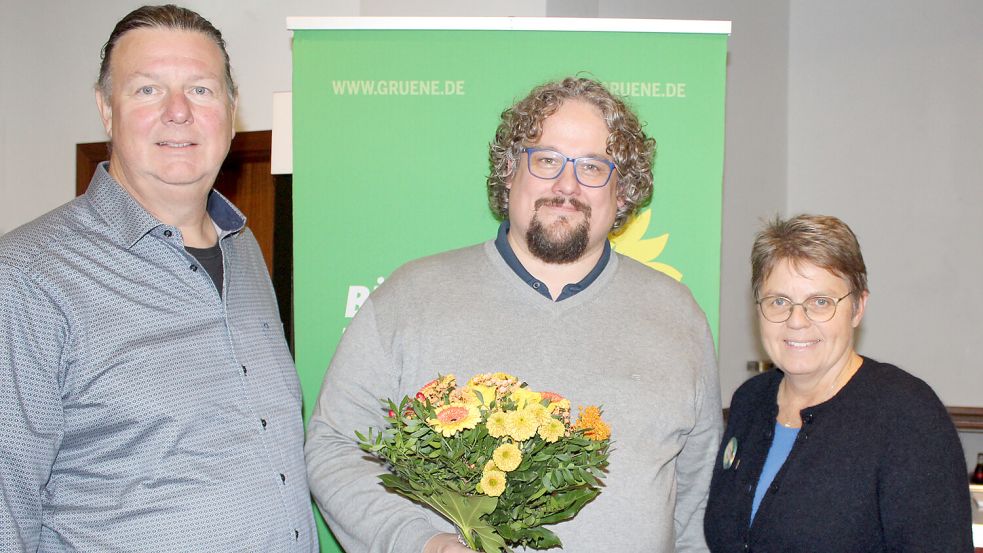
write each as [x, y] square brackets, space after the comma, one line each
[139, 409]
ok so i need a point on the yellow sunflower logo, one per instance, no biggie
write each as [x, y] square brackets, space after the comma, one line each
[644, 250]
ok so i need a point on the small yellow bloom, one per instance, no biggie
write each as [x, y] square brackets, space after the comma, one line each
[492, 483]
[590, 422]
[454, 417]
[497, 424]
[487, 393]
[521, 425]
[490, 465]
[523, 397]
[539, 411]
[552, 430]
[507, 457]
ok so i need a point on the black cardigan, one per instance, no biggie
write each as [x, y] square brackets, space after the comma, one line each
[877, 468]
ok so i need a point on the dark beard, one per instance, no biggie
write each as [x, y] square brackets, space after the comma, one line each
[553, 245]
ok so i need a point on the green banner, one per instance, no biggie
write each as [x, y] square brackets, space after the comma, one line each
[391, 132]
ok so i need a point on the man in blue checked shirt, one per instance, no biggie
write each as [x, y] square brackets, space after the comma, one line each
[148, 401]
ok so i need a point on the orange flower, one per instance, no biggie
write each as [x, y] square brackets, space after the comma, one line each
[590, 422]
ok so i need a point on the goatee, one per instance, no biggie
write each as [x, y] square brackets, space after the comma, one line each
[559, 243]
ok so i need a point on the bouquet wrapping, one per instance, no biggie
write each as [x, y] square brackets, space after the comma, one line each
[496, 458]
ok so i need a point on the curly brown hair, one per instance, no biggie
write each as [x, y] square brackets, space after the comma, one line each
[522, 124]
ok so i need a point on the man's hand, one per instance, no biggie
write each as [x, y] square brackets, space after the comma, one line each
[445, 543]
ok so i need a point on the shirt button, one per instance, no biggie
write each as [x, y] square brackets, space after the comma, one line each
[263, 421]
[194, 268]
[168, 233]
[283, 478]
[535, 285]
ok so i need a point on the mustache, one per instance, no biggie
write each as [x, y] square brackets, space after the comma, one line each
[557, 201]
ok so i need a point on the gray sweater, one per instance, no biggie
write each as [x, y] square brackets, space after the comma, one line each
[633, 342]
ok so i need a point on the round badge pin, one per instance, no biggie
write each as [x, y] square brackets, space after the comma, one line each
[730, 453]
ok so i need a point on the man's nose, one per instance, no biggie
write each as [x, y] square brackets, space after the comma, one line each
[177, 108]
[566, 184]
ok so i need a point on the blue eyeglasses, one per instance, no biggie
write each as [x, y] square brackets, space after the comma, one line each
[592, 172]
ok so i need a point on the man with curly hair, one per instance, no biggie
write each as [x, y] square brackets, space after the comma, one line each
[549, 301]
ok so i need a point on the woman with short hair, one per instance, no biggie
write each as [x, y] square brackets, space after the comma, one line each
[833, 452]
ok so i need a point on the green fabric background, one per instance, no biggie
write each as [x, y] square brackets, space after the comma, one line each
[380, 179]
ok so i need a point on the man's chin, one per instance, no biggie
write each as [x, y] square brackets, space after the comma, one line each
[558, 243]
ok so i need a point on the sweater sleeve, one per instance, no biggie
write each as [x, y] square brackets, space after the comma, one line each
[923, 491]
[34, 331]
[694, 466]
[361, 513]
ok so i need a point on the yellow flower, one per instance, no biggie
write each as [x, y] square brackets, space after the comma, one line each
[552, 430]
[487, 393]
[497, 424]
[492, 483]
[507, 457]
[490, 465]
[504, 377]
[503, 383]
[454, 417]
[539, 411]
[521, 425]
[558, 405]
[524, 397]
[590, 422]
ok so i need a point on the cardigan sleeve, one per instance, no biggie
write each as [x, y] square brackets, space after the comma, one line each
[923, 491]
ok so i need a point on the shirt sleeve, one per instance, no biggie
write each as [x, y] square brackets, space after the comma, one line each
[33, 335]
[923, 489]
[362, 514]
[694, 465]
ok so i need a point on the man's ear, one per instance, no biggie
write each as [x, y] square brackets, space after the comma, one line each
[105, 112]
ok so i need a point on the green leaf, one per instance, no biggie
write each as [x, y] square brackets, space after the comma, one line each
[466, 512]
[567, 504]
[540, 538]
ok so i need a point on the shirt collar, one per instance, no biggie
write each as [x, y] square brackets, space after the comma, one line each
[132, 222]
[508, 254]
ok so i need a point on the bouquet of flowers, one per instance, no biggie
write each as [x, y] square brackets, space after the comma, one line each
[496, 458]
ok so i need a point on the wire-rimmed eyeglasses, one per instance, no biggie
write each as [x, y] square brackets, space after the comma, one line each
[592, 172]
[818, 309]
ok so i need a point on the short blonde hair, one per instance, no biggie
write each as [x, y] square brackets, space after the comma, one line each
[822, 240]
